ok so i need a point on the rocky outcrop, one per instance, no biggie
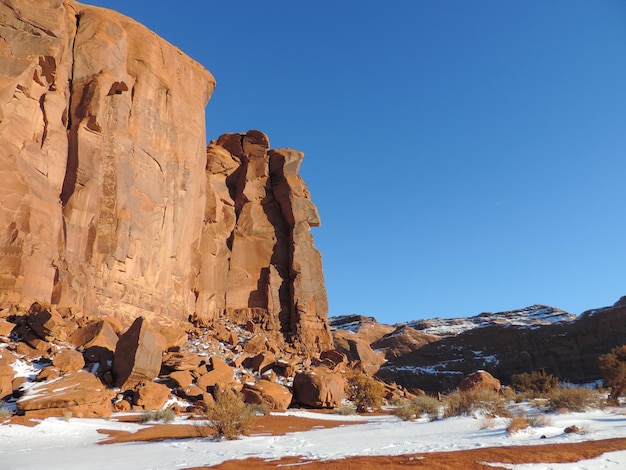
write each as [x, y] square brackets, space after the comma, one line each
[111, 201]
[80, 394]
[259, 262]
[567, 348]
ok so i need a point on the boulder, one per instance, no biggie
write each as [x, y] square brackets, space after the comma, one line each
[138, 355]
[174, 337]
[6, 327]
[150, 395]
[333, 357]
[96, 333]
[68, 360]
[220, 374]
[7, 374]
[48, 373]
[48, 324]
[80, 393]
[182, 361]
[319, 388]
[275, 396]
[183, 378]
[261, 362]
[480, 380]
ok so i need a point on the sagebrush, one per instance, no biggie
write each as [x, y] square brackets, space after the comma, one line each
[228, 418]
[574, 399]
[167, 416]
[475, 401]
[416, 407]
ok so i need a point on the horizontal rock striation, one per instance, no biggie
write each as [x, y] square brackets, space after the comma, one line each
[110, 200]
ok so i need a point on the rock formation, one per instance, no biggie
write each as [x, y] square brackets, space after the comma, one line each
[111, 202]
[436, 354]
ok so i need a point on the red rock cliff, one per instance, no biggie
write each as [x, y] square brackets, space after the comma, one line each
[110, 200]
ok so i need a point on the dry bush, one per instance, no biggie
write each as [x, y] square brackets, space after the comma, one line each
[5, 412]
[229, 417]
[479, 400]
[517, 424]
[537, 383]
[167, 416]
[613, 369]
[366, 392]
[345, 410]
[417, 407]
[487, 422]
[574, 399]
[540, 421]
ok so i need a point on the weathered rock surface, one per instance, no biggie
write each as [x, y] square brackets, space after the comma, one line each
[113, 204]
[150, 395]
[480, 380]
[68, 360]
[138, 355]
[7, 375]
[357, 349]
[81, 394]
[259, 261]
[102, 154]
[275, 396]
[319, 388]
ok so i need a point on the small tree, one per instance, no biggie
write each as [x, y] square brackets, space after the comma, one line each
[537, 382]
[613, 368]
[366, 392]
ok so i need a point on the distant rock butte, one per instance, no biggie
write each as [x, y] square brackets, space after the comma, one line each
[111, 201]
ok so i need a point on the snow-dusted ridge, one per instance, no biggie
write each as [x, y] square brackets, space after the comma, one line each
[530, 317]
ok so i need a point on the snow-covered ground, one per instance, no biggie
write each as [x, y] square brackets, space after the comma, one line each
[59, 444]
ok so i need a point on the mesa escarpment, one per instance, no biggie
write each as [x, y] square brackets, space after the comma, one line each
[435, 355]
[111, 201]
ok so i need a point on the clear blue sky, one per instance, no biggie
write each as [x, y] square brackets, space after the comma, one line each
[465, 156]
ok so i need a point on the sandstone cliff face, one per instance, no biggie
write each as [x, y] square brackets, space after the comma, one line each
[259, 262]
[109, 199]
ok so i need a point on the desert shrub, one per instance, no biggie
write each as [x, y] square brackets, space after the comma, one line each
[517, 424]
[167, 416]
[259, 410]
[417, 407]
[479, 400]
[613, 369]
[366, 392]
[487, 422]
[574, 399]
[5, 412]
[345, 410]
[539, 421]
[536, 383]
[229, 417]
